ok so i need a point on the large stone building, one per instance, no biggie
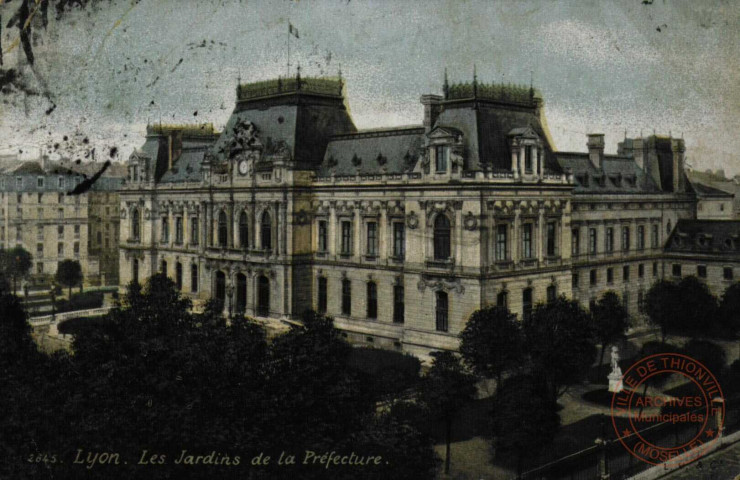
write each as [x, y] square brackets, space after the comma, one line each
[38, 214]
[398, 233]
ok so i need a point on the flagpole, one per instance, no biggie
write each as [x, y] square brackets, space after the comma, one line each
[289, 34]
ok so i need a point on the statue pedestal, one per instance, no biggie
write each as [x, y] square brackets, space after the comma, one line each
[615, 381]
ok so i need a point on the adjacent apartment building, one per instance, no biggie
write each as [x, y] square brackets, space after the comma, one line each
[398, 233]
[38, 213]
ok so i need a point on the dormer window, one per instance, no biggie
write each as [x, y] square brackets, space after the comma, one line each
[528, 159]
[441, 153]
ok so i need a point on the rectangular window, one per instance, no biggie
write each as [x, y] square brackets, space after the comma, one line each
[346, 297]
[501, 240]
[77, 249]
[399, 305]
[194, 278]
[40, 249]
[551, 239]
[575, 280]
[626, 273]
[60, 182]
[610, 275]
[60, 213]
[552, 293]
[60, 249]
[39, 267]
[40, 182]
[322, 236]
[165, 229]
[178, 230]
[399, 240]
[40, 197]
[701, 271]
[528, 159]
[625, 238]
[346, 238]
[441, 312]
[39, 232]
[609, 239]
[77, 231]
[440, 159]
[676, 269]
[641, 237]
[727, 273]
[194, 230]
[372, 239]
[575, 242]
[592, 238]
[322, 295]
[502, 299]
[641, 301]
[592, 277]
[655, 269]
[526, 303]
[641, 270]
[19, 183]
[372, 300]
[527, 240]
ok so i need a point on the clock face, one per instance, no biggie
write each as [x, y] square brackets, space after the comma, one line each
[243, 167]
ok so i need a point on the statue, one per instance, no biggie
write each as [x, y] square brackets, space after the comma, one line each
[615, 376]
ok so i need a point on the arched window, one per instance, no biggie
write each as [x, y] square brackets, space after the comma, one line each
[135, 271]
[441, 311]
[266, 228]
[194, 278]
[372, 300]
[135, 225]
[241, 293]
[263, 296]
[222, 229]
[164, 267]
[441, 238]
[221, 287]
[243, 230]
[526, 303]
[502, 299]
[178, 275]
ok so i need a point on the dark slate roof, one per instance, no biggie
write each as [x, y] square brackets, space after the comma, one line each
[367, 152]
[29, 167]
[486, 127]
[619, 174]
[187, 168]
[718, 237]
[704, 191]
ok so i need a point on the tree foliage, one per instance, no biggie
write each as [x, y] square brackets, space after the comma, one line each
[492, 342]
[611, 320]
[69, 274]
[559, 338]
[524, 418]
[684, 308]
[729, 310]
[156, 376]
[15, 264]
[661, 305]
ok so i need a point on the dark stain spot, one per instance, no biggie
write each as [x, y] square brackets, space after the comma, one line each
[195, 113]
[113, 151]
[65, 138]
[85, 140]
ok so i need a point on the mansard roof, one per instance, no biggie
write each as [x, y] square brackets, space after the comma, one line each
[619, 174]
[396, 150]
[187, 168]
[705, 191]
[715, 237]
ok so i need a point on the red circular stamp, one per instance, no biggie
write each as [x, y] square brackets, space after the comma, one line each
[668, 409]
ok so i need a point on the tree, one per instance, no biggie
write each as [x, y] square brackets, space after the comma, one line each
[491, 342]
[611, 320]
[709, 354]
[69, 274]
[662, 302]
[524, 418]
[729, 310]
[16, 263]
[445, 390]
[697, 309]
[559, 338]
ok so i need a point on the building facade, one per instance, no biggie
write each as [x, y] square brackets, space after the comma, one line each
[38, 214]
[399, 233]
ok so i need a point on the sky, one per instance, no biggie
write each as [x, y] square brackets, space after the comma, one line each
[633, 66]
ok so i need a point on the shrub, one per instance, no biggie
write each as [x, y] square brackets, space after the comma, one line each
[388, 372]
[80, 301]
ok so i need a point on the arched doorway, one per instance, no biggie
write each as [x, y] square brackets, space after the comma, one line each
[263, 296]
[241, 293]
[221, 287]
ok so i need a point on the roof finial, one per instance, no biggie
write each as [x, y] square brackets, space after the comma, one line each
[670, 134]
[446, 86]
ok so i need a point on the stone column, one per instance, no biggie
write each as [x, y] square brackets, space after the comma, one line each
[515, 160]
[459, 228]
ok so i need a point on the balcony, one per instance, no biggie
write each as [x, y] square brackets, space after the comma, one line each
[446, 264]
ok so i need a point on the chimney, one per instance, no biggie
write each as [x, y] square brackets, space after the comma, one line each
[432, 108]
[174, 147]
[678, 147]
[596, 149]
